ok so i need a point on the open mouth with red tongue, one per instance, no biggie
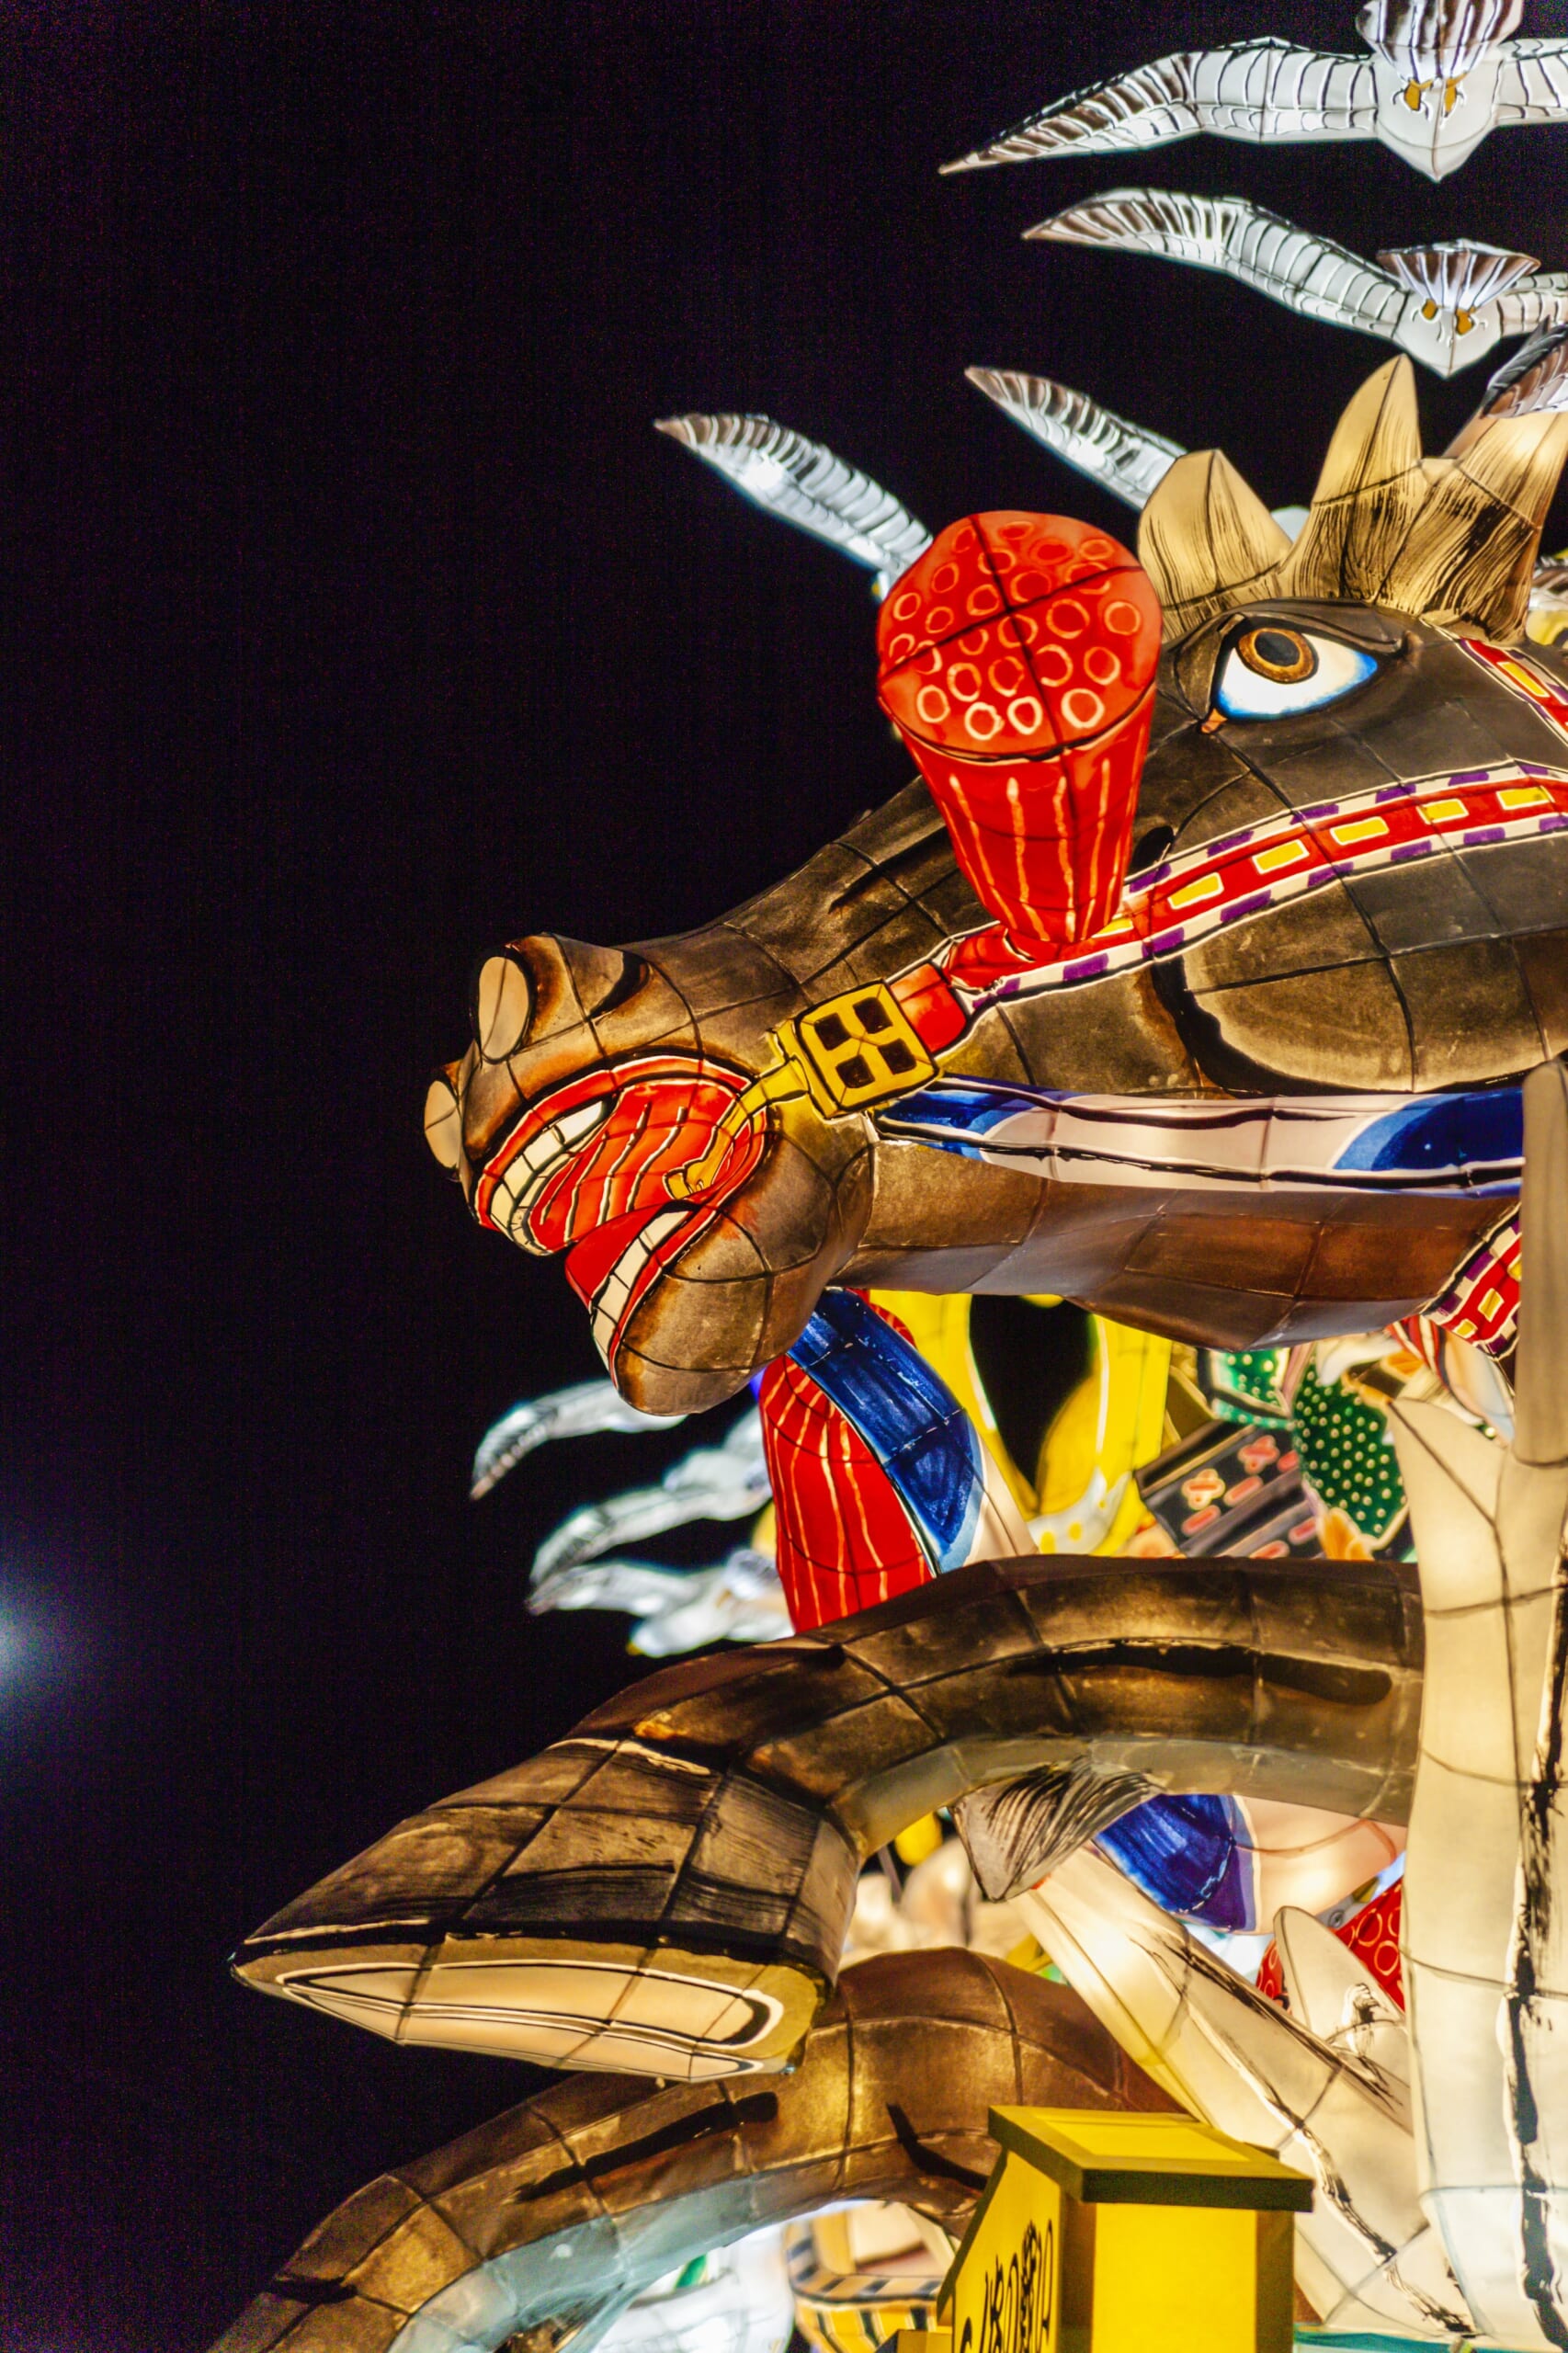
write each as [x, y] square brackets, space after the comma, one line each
[586, 1169]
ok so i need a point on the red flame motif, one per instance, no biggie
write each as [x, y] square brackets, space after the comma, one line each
[1018, 660]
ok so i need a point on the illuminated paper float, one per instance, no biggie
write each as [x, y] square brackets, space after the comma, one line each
[1351, 824]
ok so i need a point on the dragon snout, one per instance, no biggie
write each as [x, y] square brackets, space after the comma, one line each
[444, 1119]
[502, 1012]
[534, 1014]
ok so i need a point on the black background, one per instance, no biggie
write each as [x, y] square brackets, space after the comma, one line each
[352, 619]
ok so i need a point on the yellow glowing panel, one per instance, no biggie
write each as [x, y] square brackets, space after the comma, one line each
[1360, 829]
[1269, 861]
[1437, 812]
[1125, 2234]
[1192, 895]
[1016, 2232]
[1523, 796]
[1146, 2160]
[1166, 2277]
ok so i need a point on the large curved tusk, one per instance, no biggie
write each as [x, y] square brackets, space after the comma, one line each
[668, 1888]
[552, 2218]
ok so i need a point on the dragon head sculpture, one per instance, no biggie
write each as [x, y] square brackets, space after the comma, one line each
[1335, 891]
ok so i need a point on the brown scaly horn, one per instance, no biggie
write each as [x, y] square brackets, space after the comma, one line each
[1206, 541]
[667, 1888]
[1368, 495]
[538, 2227]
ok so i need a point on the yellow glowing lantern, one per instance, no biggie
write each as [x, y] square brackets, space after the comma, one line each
[1122, 2233]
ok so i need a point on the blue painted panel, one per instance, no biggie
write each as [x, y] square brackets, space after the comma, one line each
[1188, 1853]
[1481, 1129]
[907, 1415]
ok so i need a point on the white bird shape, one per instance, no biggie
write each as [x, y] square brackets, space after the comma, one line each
[1445, 305]
[1441, 74]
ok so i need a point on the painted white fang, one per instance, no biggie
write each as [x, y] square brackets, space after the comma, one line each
[573, 1126]
[803, 482]
[616, 1289]
[1128, 461]
[1440, 76]
[1446, 304]
[520, 1187]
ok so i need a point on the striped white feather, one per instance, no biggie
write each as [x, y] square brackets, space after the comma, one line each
[1253, 89]
[1446, 304]
[1128, 461]
[803, 482]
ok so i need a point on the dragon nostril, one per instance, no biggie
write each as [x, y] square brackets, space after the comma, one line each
[444, 1125]
[503, 1006]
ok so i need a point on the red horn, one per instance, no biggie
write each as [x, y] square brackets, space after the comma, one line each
[1016, 659]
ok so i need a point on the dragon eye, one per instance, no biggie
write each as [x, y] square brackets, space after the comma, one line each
[1272, 671]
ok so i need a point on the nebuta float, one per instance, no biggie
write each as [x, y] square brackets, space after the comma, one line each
[1209, 977]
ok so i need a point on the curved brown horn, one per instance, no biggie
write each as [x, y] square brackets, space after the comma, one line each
[668, 1888]
[541, 2226]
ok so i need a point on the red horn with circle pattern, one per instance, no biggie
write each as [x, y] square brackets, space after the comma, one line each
[1016, 659]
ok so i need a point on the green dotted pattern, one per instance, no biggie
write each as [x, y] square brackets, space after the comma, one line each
[1347, 1457]
[1247, 1385]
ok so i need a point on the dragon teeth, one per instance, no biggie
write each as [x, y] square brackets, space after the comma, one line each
[524, 1181]
[616, 1289]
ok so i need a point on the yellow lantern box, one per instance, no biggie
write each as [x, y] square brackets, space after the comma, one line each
[1122, 2234]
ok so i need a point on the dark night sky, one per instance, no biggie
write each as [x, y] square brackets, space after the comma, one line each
[352, 620]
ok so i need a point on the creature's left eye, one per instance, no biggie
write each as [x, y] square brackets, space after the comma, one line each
[1271, 671]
